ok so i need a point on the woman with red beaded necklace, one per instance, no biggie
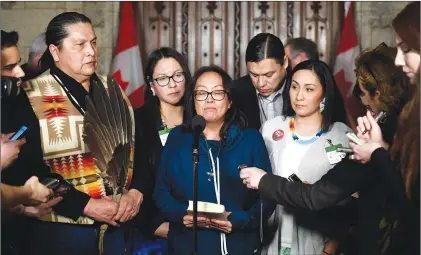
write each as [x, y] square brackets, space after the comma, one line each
[304, 142]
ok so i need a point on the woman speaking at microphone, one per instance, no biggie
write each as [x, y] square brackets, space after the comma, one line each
[224, 145]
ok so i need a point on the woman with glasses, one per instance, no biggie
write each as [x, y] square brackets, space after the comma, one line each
[224, 146]
[167, 77]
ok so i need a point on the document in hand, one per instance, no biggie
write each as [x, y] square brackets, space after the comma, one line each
[207, 209]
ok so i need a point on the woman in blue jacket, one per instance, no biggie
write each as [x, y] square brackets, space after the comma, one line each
[224, 145]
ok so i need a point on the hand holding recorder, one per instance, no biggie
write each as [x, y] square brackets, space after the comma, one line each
[373, 138]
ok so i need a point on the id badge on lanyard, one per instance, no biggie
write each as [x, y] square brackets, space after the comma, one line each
[333, 155]
[163, 135]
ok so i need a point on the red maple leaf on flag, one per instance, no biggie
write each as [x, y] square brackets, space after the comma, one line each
[123, 84]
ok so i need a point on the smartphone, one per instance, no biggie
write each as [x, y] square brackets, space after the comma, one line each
[381, 117]
[20, 133]
[51, 183]
[56, 183]
[353, 137]
[294, 178]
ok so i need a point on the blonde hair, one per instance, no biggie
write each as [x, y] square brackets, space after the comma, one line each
[376, 71]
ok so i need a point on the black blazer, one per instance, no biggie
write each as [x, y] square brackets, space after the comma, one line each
[147, 156]
[245, 98]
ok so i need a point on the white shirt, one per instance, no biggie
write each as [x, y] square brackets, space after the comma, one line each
[270, 106]
[287, 164]
[286, 158]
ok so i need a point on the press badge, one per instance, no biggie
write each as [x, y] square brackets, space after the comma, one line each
[333, 155]
[163, 135]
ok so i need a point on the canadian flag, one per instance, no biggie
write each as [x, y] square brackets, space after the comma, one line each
[345, 66]
[127, 66]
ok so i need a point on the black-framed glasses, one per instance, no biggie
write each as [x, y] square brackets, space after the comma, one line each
[165, 80]
[202, 95]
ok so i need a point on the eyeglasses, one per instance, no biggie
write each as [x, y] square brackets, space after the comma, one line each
[165, 80]
[202, 95]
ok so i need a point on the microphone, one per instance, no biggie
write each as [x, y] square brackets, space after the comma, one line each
[198, 124]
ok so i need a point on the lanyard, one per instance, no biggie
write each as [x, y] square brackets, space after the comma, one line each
[71, 97]
[217, 185]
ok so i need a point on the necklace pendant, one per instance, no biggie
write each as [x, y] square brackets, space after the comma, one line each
[210, 174]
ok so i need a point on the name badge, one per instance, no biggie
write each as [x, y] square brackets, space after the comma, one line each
[333, 155]
[163, 135]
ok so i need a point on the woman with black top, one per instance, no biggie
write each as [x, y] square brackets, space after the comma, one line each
[399, 164]
[167, 77]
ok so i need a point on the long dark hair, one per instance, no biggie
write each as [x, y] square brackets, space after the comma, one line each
[57, 31]
[407, 25]
[334, 110]
[151, 101]
[405, 150]
[233, 114]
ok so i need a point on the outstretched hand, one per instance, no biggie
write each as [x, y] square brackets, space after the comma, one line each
[251, 176]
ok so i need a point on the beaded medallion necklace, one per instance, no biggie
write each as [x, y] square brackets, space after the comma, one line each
[296, 138]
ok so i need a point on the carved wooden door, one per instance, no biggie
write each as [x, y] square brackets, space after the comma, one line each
[218, 32]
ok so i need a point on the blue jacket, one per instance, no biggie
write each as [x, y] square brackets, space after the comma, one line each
[174, 188]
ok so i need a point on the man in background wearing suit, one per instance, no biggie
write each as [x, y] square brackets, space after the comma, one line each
[259, 94]
[300, 49]
[33, 68]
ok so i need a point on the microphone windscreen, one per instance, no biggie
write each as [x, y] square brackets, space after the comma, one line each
[198, 123]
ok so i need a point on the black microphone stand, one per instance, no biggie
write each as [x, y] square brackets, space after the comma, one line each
[195, 184]
[198, 125]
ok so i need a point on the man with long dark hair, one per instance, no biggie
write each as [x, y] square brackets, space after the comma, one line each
[82, 129]
[259, 93]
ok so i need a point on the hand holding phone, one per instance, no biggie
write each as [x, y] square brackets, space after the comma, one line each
[294, 178]
[380, 118]
[20, 133]
[9, 150]
[57, 184]
[351, 136]
[37, 192]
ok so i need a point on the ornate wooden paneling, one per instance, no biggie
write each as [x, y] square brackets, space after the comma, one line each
[218, 32]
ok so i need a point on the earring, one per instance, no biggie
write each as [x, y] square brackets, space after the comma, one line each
[322, 105]
[153, 92]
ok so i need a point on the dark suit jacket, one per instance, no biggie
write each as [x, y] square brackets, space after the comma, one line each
[245, 98]
[146, 161]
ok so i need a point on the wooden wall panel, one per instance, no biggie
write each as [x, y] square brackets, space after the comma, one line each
[218, 32]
